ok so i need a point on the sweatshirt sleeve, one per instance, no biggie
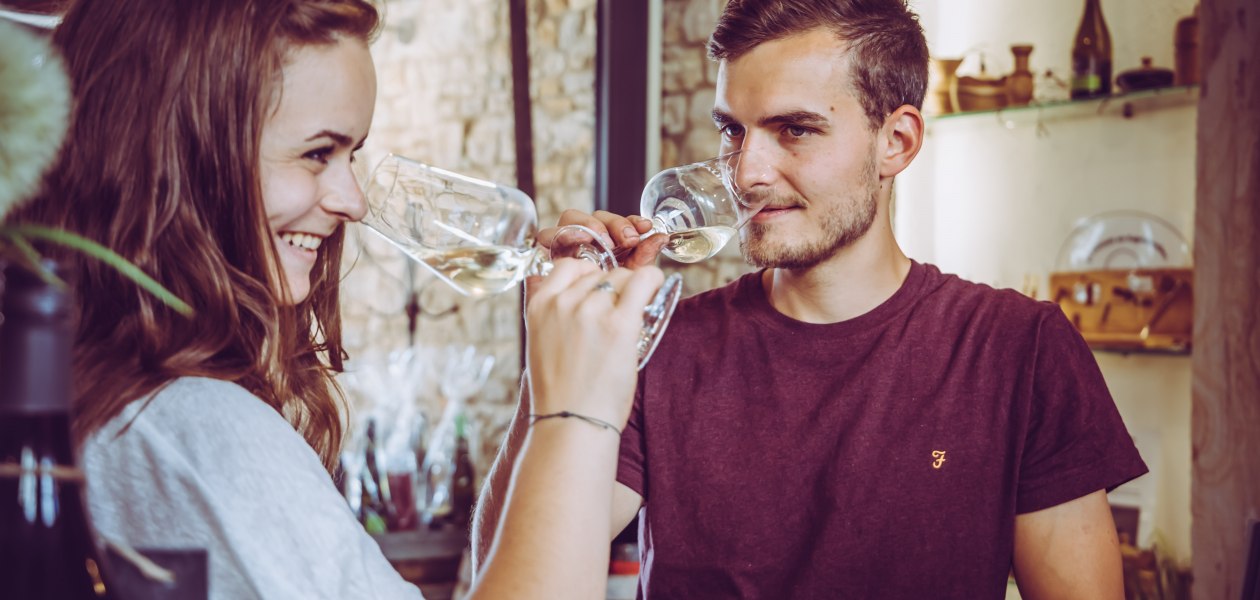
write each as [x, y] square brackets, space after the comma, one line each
[205, 464]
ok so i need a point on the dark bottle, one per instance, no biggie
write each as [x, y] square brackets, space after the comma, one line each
[1091, 54]
[375, 501]
[462, 492]
[47, 547]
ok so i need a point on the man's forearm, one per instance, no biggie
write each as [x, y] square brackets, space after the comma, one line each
[493, 494]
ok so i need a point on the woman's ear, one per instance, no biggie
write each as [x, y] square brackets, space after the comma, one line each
[901, 137]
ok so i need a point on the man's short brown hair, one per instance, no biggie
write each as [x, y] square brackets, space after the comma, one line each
[885, 40]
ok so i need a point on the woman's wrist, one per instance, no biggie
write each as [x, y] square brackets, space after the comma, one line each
[584, 418]
[571, 432]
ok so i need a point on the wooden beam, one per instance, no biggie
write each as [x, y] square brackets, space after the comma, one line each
[621, 70]
[523, 117]
[1226, 362]
[518, 24]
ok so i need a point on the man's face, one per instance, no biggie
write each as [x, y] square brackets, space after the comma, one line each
[807, 146]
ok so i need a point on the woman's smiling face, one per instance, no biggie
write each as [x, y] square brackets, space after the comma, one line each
[323, 114]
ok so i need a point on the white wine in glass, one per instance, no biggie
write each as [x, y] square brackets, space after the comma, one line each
[478, 236]
[698, 206]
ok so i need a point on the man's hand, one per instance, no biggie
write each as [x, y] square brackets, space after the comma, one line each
[624, 234]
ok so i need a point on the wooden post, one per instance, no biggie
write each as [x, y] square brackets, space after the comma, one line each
[1226, 361]
[621, 70]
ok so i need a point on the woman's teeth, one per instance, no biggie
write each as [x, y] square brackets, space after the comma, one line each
[305, 241]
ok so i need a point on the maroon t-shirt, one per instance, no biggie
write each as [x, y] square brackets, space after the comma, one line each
[881, 457]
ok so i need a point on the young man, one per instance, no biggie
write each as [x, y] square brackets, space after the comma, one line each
[848, 423]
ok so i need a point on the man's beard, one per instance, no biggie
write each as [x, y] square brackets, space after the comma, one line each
[842, 224]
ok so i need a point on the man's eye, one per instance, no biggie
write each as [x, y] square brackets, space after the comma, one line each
[796, 131]
[731, 130]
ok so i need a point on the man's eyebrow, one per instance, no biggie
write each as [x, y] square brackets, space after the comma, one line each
[721, 118]
[797, 117]
[802, 118]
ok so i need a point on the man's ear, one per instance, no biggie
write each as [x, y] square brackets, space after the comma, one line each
[900, 137]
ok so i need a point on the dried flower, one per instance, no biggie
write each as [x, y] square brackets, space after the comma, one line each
[34, 111]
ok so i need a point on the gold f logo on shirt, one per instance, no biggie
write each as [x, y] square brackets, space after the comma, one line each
[939, 455]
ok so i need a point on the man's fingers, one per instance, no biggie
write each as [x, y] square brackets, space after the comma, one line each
[547, 237]
[624, 232]
[646, 252]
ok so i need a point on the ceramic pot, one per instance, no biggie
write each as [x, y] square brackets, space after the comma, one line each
[980, 92]
[1186, 43]
[1144, 78]
[941, 82]
[1019, 84]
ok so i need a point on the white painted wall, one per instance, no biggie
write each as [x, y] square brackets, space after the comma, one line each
[992, 197]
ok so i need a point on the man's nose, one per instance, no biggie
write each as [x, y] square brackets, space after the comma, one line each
[754, 165]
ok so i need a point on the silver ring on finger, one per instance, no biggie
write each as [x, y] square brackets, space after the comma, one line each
[605, 286]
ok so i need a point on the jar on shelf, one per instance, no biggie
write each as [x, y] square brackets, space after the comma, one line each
[1186, 45]
[1019, 84]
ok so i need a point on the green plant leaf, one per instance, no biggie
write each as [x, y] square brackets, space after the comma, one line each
[107, 256]
[32, 258]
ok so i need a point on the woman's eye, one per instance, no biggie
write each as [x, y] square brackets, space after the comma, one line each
[319, 155]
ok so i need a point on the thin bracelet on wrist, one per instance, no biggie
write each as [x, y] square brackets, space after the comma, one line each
[564, 414]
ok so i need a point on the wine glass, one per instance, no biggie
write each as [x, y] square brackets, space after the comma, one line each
[698, 206]
[479, 237]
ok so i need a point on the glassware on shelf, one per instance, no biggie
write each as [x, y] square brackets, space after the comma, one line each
[447, 467]
[1125, 280]
[1121, 240]
[384, 446]
[478, 236]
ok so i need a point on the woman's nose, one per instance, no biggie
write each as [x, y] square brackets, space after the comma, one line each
[345, 197]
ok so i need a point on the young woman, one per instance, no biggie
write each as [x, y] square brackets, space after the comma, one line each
[211, 145]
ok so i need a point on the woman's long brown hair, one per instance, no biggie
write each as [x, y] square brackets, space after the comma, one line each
[161, 165]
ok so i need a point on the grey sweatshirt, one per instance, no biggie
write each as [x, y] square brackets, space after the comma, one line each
[206, 464]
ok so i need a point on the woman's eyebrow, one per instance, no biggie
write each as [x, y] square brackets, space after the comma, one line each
[339, 138]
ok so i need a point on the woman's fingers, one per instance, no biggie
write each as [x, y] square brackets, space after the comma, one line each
[637, 289]
[583, 339]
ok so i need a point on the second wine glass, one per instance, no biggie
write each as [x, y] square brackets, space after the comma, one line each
[479, 237]
[699, 206]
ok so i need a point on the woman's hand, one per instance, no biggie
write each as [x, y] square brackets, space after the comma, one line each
[582, 342]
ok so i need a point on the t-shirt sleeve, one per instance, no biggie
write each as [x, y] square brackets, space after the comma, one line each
[207, 465]
[631, 467]
[1076, 442]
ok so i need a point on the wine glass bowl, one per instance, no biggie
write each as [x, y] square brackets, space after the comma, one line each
[473, 234]
[698, 206]
[480, 237]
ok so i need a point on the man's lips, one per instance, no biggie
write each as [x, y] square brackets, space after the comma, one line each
[771, 212]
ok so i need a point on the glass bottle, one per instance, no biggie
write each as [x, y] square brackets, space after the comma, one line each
[1091, 54]
[462, 491]
[47, 546]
